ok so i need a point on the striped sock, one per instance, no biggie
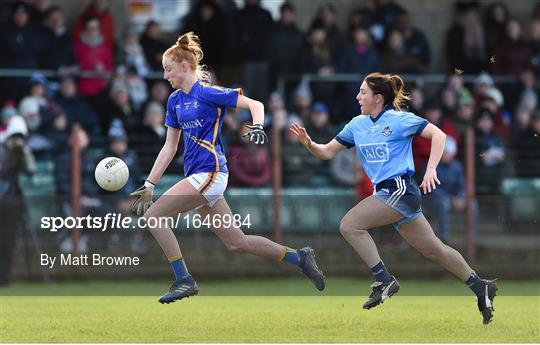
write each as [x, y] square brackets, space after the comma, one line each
[179, 268]
[476, 284]
[380, 273]
[291, 256]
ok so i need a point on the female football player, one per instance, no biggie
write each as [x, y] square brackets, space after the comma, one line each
[197, 108]
[382, 136]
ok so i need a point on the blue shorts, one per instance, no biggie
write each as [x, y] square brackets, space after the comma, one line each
[403, 195]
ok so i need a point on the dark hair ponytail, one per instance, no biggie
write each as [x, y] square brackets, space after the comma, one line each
[390, 87]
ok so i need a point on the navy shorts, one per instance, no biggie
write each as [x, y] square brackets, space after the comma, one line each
[403, 195]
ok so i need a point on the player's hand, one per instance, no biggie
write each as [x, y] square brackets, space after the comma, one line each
[144, 198]
[302, 135]
[256, 134]
[430, 181]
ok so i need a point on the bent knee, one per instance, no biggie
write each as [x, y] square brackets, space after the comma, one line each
[237, 246]
[347, 228]
[434, 253]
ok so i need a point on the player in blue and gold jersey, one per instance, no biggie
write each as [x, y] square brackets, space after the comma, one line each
[196, 109]
[382, 136]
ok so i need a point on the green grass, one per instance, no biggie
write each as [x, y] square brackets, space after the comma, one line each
[335, 316]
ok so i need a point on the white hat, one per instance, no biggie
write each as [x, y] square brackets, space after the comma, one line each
[495, 95]
[484, 78]
[16, 125]
[29, 105]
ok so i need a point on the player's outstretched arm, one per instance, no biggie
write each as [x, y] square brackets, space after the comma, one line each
[322, 151]
[256, 108]
[164, 158]
[437, 147]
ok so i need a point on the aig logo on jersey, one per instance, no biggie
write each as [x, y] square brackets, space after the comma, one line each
[386, 131]
[375, 153]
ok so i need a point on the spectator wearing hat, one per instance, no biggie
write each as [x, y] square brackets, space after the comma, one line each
[463, 118]
[450, 196]
[491, 150]
[120, 201]
[493, 102]
[7, 112]
[29, 110]
[482, 83]
[319, 126]
[302, 100]
[15, 159]
[321, 131]
[119, 147]
[58, 133]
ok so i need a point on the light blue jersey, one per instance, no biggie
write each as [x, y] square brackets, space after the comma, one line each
[384, 143]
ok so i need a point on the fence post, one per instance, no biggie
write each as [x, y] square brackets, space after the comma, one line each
[74, 141]
[470, 178]
[276, 181]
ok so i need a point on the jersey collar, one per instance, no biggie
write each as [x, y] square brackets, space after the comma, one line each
[192, 89]
[385, 109]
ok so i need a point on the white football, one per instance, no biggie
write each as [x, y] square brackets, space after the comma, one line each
[111, 174]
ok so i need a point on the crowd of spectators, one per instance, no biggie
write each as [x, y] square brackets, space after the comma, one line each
[103, 84]
[378, 37]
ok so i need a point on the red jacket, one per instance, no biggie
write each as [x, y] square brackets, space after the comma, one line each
[422, 146]
[88, 58]
[249, 166]
[106, 23]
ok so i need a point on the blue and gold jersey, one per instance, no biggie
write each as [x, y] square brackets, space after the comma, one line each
[384, 143]
[199, 114]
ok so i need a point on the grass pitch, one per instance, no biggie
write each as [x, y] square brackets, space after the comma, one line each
[273, 311]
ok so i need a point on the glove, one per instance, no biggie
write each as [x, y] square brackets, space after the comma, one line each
[256, 134]
[144, 198]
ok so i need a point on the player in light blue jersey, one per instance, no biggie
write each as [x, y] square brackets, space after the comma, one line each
[382, 136]
[197, 109]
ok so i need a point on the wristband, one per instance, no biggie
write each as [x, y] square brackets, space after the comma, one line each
[149, 184]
